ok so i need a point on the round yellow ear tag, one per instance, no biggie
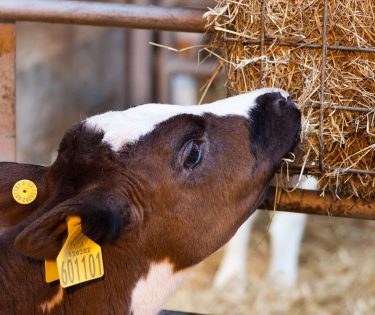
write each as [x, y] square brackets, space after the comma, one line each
[24, 191]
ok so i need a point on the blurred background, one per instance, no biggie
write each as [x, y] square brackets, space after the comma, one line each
[67, 73]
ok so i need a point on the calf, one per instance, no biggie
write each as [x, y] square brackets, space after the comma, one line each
[160, 187]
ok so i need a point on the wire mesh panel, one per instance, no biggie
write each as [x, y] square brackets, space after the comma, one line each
[323, 54]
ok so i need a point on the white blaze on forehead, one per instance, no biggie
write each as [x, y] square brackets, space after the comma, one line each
[128, 126]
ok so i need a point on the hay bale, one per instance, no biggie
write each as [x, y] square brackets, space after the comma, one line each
[348, 135]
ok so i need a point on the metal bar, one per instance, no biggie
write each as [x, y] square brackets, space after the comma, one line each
[303, 45]
[309, 201]
[140, 66]
[161, 73]
[7, 92]
[353, 109]
[295, 168]
[104, 14]
[262, 35]
[322, 85]
[352, 170]
[346, 108]
[351, 48]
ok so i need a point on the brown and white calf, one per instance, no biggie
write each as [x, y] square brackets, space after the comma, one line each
[160, 187]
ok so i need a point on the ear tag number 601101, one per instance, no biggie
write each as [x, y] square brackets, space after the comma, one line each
[80, 259]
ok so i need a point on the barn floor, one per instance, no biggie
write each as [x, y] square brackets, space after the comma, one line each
[337, 275]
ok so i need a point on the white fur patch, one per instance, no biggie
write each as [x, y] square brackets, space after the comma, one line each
[151, 293]
[49, 305]
[128, 126]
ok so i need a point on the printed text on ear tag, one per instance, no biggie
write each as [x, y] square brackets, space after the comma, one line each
[80, 259]
[24, 191]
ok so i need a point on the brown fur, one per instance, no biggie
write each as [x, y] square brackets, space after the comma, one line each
[140, 203]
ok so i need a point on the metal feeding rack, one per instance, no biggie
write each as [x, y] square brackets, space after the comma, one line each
[323, 106]
[156, 18]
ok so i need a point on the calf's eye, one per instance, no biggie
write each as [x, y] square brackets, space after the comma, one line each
[192, 154]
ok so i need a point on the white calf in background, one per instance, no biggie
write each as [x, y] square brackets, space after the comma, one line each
[286, 232]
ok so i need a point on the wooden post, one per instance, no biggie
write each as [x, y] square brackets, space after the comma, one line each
[7, 91]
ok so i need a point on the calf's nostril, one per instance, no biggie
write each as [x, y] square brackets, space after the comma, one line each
[282, 102]
[290, 102]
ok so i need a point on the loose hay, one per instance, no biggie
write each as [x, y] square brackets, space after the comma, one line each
[336, 275]
[348, 136]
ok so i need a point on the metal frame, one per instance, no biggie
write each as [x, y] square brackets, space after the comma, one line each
[131, 16]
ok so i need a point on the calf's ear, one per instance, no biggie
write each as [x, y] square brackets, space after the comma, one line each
[12, 212]
[103, 216]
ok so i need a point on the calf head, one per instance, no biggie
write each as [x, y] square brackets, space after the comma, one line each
[175, 180]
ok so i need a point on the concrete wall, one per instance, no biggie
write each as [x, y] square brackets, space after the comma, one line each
[64, 73]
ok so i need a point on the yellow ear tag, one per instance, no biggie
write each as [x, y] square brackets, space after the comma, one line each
[24, 191]
[51, 272]
[80, 259]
